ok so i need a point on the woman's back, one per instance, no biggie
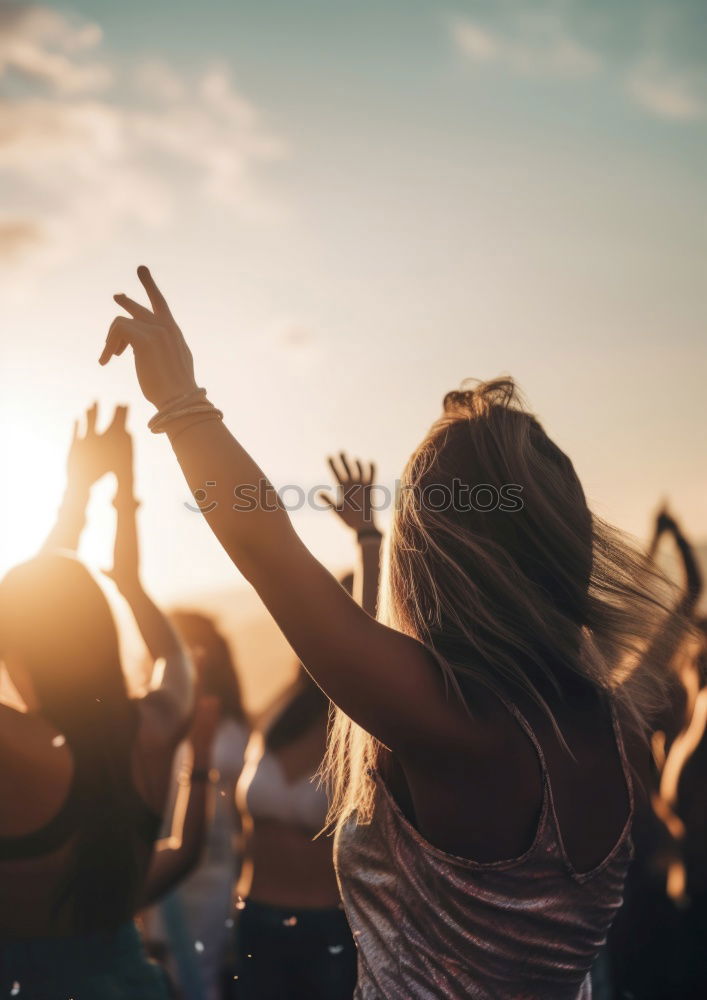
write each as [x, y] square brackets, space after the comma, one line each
[530, 868]
[40, 836]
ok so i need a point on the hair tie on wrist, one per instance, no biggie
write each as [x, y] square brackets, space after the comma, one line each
[159, 426]
[176, 403]
[187, 405]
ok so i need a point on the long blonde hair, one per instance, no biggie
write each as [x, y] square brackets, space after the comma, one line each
[516, 588]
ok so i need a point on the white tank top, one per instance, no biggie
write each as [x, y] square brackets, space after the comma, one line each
[270, 795]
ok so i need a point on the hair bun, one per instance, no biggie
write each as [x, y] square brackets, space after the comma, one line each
[476, 398]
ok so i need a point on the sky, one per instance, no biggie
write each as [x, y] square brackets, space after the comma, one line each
[351, 208]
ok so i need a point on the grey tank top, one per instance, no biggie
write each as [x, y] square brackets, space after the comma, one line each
[429, 925]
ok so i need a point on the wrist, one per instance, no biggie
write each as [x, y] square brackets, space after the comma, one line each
[369, 534]
[130, 587]
[125, 499]
[176, 394]
[186, 406]
[77, 490]
[124, 477]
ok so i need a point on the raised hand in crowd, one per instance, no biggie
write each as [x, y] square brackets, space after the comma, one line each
[354, 506]
[665, 523]
[91, 456]
[179, 854]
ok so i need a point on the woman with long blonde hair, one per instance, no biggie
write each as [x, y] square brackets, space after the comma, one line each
[483, 792]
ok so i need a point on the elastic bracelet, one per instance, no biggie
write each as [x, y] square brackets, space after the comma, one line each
[214, 415]
[187, 411]
[200, 775]
[174, 404]
[125, 503]
[173, 400]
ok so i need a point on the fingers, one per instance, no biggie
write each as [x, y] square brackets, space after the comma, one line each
[349, 471]
[134, 308]
[345, 465]
[327, 499]
[91, 418]
[340, 467]
[336, 471]
[113, 346]
[366, 472]
[119, 418]
[123, 331]
[157, 299]
[75, 432]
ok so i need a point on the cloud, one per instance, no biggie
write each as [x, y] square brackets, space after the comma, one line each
[667, 93]
[43, 45]
[155, 76]
[16, 235]
[648, 52]
[545, 49]
[86, 148]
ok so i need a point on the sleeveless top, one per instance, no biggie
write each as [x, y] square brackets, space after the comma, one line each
[302, 802]
[66, 822]
[430, 925]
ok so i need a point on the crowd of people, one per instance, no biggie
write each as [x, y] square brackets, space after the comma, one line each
[486, 779]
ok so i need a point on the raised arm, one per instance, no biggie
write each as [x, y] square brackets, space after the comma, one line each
[85, 466]
[385, 681]
[693, 574]
[665, 523]
[354, 506]
[670, 636]
[660, 526]
[178, 855]
[173, 674]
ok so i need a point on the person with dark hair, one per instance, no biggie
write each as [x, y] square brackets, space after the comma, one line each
[292, 938]
[482, 790]
[84, 769]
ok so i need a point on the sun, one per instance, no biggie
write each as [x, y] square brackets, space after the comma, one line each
[33, 483]
[34, 465]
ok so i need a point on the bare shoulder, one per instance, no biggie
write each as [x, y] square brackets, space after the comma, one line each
[466, 729]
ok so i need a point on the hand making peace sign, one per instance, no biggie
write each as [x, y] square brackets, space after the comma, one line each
[163, 361]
